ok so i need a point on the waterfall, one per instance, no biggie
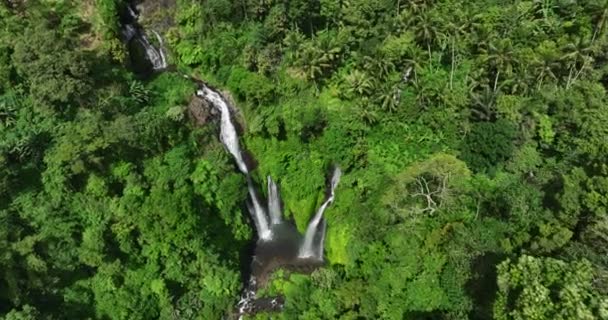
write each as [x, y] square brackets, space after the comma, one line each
[228, 134]
[272, 234]
[274, 202]
[230, 140]
[279, 244]
[155, 56]
[247, 297]
[161, 45]
[321, 244]
[131, 30]
[258, 213]
[335, 179]
[132, 12]
[307, 249]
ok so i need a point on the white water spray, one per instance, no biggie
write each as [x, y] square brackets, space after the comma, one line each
[228, 134]
[311, 246]
[274, 202]
[155, 56]
[132, 31]
[258, 213]
[161, 45]
[132, 12]
[230, 140]
[321, 244]
[129, 32]
[307, 249]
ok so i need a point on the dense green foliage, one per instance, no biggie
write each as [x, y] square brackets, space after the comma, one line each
[472, 136]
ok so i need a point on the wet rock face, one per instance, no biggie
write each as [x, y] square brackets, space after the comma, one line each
[138, 58]
[146, 47]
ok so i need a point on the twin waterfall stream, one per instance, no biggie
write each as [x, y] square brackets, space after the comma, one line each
[279, 243]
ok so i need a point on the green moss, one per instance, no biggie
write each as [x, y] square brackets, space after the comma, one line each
[338, 241]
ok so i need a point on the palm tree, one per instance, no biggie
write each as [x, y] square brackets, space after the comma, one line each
[415, 7]
[389, 98]
[366, 113]
[545, 63]
[291, 44]
[138, 92]
[328, 50]
[379, 67]
[259, 8]
[578, 51]
[523, 82]
[484, 104]
[578, 55]
[426, 30]
[456, 29]
[8, 109]
[313, 58]
[358, 83]
[308, 66]
[544, 8]
[500, 56]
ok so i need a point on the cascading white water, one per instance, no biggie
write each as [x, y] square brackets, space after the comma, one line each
[132, 12]
[155, 56]
[321, 244]
[311, 246]
[230, 140]
[247, 297]
[129, 32]
[307, 248]
[228, 134]
[258, 213]
[161, 45]
[274, 202]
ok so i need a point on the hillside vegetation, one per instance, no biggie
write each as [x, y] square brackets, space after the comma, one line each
[472, 136]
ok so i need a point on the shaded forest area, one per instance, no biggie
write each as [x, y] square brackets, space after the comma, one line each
[472, 136]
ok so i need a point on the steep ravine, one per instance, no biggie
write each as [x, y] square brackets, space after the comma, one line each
[278, 243]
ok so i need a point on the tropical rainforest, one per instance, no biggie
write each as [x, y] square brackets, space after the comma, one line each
[472, 136]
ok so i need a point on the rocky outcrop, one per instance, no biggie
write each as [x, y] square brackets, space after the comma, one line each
[200, 111]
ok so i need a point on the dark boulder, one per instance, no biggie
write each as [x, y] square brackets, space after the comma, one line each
[199, 110]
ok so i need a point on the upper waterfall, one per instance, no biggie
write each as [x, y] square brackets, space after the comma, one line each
[163, 59]
[133, 33]
[228, 134]
[230, 140]
[154, 55]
